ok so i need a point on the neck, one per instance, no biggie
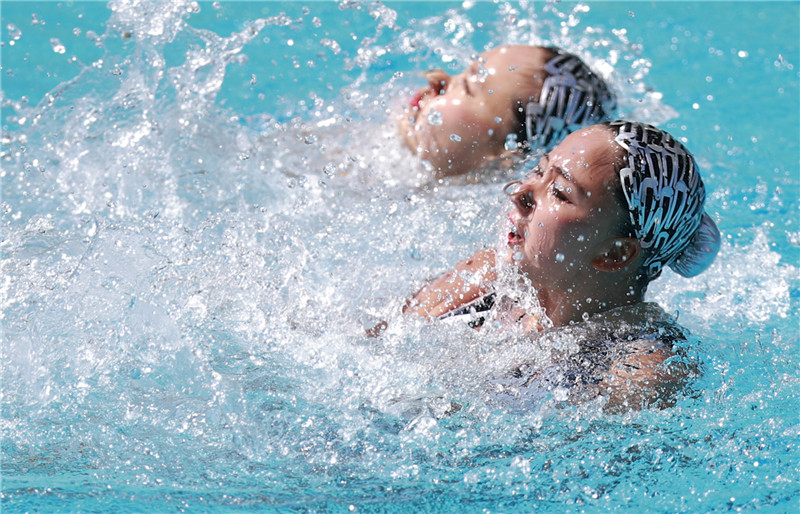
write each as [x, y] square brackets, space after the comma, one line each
[565, 307]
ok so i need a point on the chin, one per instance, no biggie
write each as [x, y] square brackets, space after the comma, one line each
[406, 133]
[509, 257]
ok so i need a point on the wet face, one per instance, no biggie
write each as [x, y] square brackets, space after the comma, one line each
[566, 214]
[460, 122]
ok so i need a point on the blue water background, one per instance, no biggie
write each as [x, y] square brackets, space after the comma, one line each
[205, 204]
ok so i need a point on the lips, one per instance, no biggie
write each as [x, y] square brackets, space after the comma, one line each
[416, 100]
[514, 239]
[414, 104]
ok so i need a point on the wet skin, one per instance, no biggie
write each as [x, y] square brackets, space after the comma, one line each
[566, 214]
[460, 122]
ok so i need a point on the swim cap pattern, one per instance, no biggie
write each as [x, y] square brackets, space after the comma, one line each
[665, 197]
[572, 97]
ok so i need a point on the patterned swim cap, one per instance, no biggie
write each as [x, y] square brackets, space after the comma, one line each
[666, 198]
[572, 97]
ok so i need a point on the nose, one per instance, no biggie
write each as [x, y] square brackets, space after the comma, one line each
[512, 187]
[522, 198]
[438, 80]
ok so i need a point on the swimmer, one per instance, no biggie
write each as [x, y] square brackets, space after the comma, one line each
[513, 99]
[596, 221]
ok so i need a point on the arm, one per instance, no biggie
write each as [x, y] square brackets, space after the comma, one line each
[643, 378]
[470, 279]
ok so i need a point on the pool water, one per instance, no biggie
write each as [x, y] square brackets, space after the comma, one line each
[205, 205]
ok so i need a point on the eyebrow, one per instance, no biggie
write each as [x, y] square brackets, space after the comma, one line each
[569, 178]
[545, 158]
[564, 173]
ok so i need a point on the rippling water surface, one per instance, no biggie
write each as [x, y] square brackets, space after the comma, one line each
[205, 204]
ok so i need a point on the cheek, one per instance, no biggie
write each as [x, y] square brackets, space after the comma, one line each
[444, 110]
[539, 239]
[556, 240]
[582, 239]
[458, 117]
[438, 122]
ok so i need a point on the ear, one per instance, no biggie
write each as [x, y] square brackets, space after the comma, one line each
[620, 252]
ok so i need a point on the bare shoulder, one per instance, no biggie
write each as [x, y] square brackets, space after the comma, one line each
[468, 280]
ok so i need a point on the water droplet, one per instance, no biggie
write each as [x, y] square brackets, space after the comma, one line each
[518, 256]
[581, 238]
[57, 46]
[490, 132]
[332, 44]
[329, 170]
[434, 118]
[511, 142]
[455, 137]
[498, 119]
[585, 316]
[559, 257]
[13, 31]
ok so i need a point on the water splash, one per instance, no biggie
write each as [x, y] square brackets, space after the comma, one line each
[187, 286]
[434, 118]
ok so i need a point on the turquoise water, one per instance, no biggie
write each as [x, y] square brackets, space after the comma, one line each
[204, 205]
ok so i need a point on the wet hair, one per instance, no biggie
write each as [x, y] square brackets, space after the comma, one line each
[572, 97]
[665, 199]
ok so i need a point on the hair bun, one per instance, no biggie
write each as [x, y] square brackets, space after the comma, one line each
[701, 250]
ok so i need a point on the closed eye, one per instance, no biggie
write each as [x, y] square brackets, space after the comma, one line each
[466, 86]
[561, 192]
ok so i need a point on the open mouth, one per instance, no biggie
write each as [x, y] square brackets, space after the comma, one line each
[414, 104]
[416, 100]
[514, 239]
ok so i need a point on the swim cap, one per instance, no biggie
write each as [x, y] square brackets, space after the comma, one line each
[665, 197]
[572, 97]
